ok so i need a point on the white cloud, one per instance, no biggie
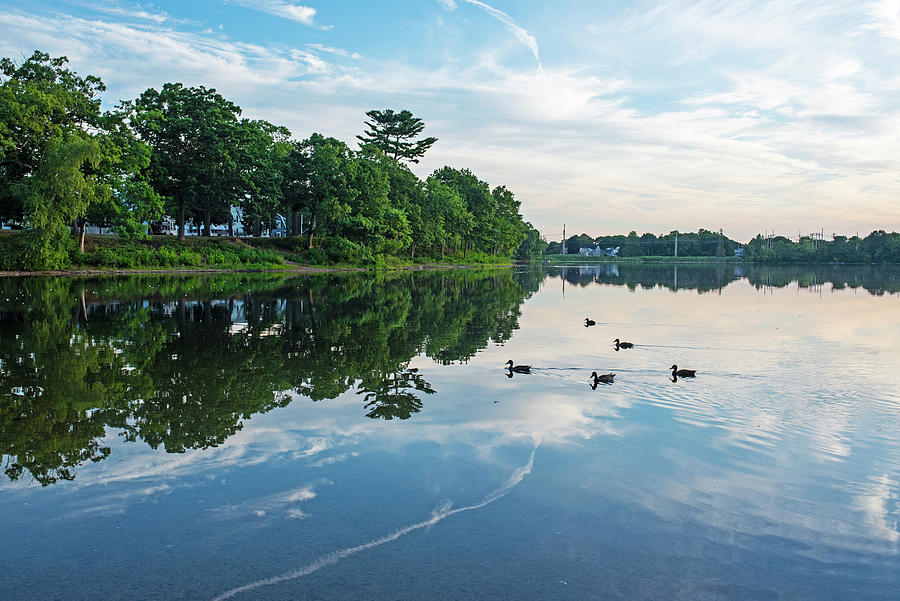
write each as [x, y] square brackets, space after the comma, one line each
[277, 505]
[294, 12]
[514, 28]
[735, 111]
[131, 58]
[886, 18]
[335, 51]
[136, 13]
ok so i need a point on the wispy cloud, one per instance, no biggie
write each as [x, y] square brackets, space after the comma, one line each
[335, 51]
[440, 513]
[731, 110]
[885, 16]
[136, 12]
[281, 504]
[294, 12]
[514, 28]
[132, 57]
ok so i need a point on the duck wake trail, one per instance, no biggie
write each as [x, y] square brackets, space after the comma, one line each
[441, 513]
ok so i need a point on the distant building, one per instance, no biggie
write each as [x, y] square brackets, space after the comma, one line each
[599, 252]
[739, 253]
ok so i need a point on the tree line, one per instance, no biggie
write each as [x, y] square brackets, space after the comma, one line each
[878, 247]
[704, 243]
[188, 153]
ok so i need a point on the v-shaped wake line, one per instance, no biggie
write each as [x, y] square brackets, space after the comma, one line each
[441, 513]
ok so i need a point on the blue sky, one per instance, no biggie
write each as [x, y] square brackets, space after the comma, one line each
[606, 116]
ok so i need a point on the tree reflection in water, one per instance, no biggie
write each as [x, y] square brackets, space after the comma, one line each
[181, 363]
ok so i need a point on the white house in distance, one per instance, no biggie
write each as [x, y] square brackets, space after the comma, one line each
[599, 252]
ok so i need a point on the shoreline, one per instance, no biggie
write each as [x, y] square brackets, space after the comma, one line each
[294, 270]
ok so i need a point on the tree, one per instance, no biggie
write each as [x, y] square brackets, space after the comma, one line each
[481, 205]
[260, 150]
[509, 227]
[394, 134]
[122, 164]
[452, 223]
[42, 103]
[59, 195]
[192, 135]
[407, 194]
[317, 177]
[532, 244]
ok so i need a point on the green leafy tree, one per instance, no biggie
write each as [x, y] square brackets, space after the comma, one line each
[59, 195]
[261, 150]
[394, 134]
[480, 204]
[533, 246]
[191, 132]
[42, 104]
[317, 180]
[509, 229]
[448, 221]
[122, 164]
[407, 195]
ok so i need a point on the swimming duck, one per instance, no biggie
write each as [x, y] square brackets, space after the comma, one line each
[519, 369]
[588, 322]
[605, 378]
[622, 344]
[683, 373]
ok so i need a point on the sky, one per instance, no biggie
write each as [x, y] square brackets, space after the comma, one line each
[604, 116]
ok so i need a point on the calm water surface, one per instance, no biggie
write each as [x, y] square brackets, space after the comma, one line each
[356, 437]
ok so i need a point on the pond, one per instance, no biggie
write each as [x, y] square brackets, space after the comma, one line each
[356, 436]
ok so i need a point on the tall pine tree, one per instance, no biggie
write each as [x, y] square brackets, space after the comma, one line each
[394, 134]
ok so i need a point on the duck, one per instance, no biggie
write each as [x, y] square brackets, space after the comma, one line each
[622, 344]
[605, 378]
[519, 369]
[683, 373]
[588, 322]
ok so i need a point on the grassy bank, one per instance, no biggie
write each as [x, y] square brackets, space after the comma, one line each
[107, 252]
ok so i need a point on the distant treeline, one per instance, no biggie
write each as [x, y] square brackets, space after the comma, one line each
[187, 153]
[877, 247]
[704, 243]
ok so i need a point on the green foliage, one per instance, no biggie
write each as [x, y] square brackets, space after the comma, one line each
[187, 152]
[532, 246]
[42, 105]
[878, 247]
[11, 256]
[60, 193]
[394, 134]
[206, 254]
[197, 161]
[317, 181]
